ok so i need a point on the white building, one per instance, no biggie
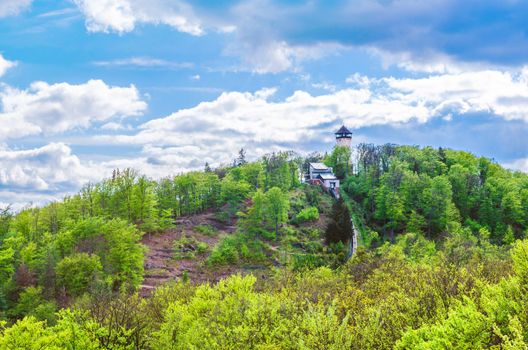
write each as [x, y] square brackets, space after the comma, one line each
[321, 174]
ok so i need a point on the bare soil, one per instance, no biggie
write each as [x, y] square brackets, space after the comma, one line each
[160, 264]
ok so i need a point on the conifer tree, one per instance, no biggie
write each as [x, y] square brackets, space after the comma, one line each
[339, 228]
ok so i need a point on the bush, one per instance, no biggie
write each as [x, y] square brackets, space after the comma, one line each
[77, 271]
[307, 261]
[236, 248]
[225, 252]
[207, 230]
[201, 247]
[32, 303]
[312, 232]
[116, 242]
[186, 247]
[308, 214]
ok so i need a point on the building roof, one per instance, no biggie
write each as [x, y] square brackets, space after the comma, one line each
[319, 166]
[343, 130]
[327, 176]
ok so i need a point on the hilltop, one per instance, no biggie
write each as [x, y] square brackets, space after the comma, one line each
[251, 255]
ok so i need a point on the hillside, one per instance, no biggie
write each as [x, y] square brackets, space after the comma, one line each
[249, 257]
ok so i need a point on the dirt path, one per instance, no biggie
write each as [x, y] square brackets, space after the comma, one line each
[160, 264]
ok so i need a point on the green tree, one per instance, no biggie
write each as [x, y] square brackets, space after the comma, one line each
[76, 272]
[28, 334]
[339, 228]
[277, 206]
[340, 161]
[435, 203]
[257, 212]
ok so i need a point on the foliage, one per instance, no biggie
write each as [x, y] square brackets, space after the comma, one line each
[308, 214]
[207, 230]
[76, 272]
[187, 247]
[449, 269]
[277, 206]
[402, 189]
[340, 161]
[237, 248]
[339, 228]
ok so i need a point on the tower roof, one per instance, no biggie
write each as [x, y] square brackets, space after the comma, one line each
[343, 130]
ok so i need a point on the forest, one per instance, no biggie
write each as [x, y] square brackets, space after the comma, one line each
[441, 262]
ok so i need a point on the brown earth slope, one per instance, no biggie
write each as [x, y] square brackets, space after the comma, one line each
[160, 264]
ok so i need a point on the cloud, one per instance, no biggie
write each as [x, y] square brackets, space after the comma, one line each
[50, 109]
[416, 35]
[123, 16]
[273, 56]
[144, 62]
[13, 7]
[518, 164]
[271, 36]
[59, 12]
[425, 33]
[259, 38]
[213, 131]
[502, 93]
[261, 122]
[50, 172]
[113, 126]
[5, 65]
[48, 169]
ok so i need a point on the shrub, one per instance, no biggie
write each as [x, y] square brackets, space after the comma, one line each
[32, 303]
[77, 271]
[312, 232]
[313, 247]
[186, 247]
[236, 248]
[207, 230]
[201, 247]
[225, 252]
[307, 261]
[308, 214]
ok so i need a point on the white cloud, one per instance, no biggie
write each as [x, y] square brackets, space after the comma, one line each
[5, 65]
[50, 109]
[49, 168]
[214, 131]
[124, 15]
[58, 13]
[518, 164]
[144, 62]
[501, 93]
[255, 41]
[50, 172]
[113, 126]
[13, 7]
[272, 56]
[430, 62]
[325, 86]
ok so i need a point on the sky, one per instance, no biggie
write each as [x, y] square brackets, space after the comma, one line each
[163, 86]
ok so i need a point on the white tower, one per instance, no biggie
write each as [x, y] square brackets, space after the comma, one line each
[343, 137]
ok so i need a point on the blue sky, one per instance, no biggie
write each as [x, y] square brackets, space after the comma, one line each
[166, 85]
